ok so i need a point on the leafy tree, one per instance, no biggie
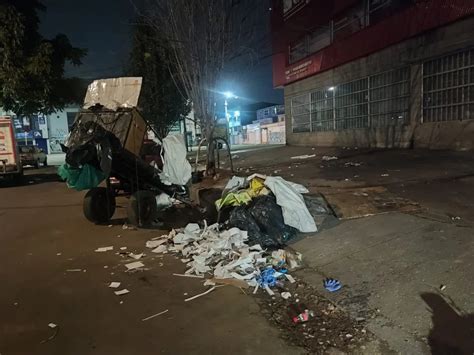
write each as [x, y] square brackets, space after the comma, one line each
[32, 67]
[161, 99]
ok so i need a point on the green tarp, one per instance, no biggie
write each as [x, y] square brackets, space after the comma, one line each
[83, 178]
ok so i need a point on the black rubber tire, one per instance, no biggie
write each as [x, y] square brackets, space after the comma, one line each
[142, 210]
[99, 205]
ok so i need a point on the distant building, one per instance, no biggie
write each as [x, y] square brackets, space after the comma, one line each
[47, 132]
[376, 73]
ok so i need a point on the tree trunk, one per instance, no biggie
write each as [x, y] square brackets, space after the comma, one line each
[211, 159]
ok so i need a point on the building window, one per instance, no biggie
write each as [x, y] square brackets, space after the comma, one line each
[300, 113]
[319, 38]
[322, 110]
[350, 21]
[376, 101]
[298, 50]
[389, 98]
[379, 9]
[448, 88]
[351, 105]
[291, 6]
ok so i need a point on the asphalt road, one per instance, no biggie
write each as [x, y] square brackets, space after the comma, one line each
[43, 234]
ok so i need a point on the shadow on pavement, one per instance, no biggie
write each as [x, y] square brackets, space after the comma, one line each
[452, 331]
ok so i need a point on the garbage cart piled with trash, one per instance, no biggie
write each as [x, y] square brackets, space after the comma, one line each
[105, 147]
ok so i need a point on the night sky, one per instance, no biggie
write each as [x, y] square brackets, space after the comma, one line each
[103, 27]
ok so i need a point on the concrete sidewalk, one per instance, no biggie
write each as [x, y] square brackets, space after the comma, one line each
[386, 264]
[409, 276]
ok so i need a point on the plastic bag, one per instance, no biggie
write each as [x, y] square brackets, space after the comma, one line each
[263, 220]
[82, 178]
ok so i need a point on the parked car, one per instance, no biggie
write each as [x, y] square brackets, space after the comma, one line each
[32, 155]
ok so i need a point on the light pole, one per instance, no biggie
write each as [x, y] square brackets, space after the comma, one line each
[228, 95]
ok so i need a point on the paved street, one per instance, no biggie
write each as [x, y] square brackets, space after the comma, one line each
[43, 234]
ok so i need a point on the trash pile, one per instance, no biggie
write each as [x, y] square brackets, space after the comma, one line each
[271, 209]
[226, 257]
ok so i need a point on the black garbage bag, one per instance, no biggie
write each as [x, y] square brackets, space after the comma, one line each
[263, 220]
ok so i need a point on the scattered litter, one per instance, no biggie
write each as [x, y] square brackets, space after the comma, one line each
[15, 304]
[155, 315]
[233, 282]
[55, 327]
[123, 248]
[185, 294]
[200, 294]
[103, 249]
[235, 156]
[290, 278]
[228, 258]
[106, 267]
[160, 249]
[136, 256]
[442, 287]
[189, 275]
[455, 218]
[126, 226]
[352, 163]
[348, 336]
[58, 254]
[84, 270]
[328, 158]
[114, 284]
[74, 270]
[299, 313]
[209, 282]
[285, 295]
[305, 156]
[385, 175]
[110, 226]
[134, 265]
[332, 285]
[118, 235]
[122, 292]
[269, 291]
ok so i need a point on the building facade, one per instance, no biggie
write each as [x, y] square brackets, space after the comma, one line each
[376, 73]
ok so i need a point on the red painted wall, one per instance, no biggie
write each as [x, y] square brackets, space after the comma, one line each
[422, 16]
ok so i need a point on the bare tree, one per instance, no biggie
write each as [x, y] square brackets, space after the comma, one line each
[204, 37]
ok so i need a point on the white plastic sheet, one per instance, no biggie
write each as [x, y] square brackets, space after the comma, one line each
[176, 168]
[295, 212]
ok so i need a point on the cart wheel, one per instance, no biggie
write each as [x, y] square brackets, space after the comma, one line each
[98, 205]
[142, 208]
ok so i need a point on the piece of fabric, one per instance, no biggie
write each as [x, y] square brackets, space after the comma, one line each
[176, 168]
[83, 178]
[295, 212]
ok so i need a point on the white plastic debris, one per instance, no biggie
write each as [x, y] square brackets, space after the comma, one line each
[305, 156]
[134, 265]
[136, 256]
[328, 158]
[163, 201]
[160, 249]
[176, 168]
[123, 248]
[285, 295]
[52, 325]
[295, 212]
[114, 284]
[122, 292]
[155, 315]
[290, 278]
[104, 249]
